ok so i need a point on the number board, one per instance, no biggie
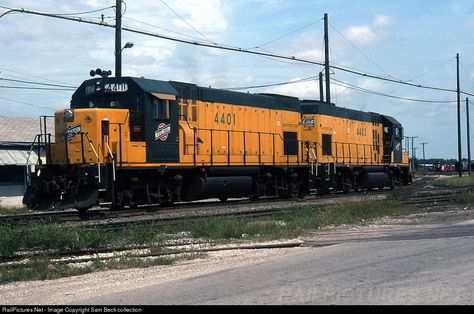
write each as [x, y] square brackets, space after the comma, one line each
[116, 87]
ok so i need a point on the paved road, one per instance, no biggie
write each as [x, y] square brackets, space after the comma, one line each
[427, 266]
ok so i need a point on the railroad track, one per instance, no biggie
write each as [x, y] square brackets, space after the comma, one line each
[205, 210]
[98, 216]
[143, 251]
[243, 207]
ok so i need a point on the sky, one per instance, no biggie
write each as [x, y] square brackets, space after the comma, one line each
[414, 41]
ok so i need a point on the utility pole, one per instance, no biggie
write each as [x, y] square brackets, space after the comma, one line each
[321, 87]
[412, 163]
[118, 38]
[413, 150]
[424, 159]
[468, 138]
[459, 117]
[326, 58]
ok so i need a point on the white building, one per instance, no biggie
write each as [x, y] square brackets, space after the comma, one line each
[16, 150]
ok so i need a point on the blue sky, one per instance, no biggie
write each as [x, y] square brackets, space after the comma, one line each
[407, 40]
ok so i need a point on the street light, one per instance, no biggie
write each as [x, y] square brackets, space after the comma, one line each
[127, 45]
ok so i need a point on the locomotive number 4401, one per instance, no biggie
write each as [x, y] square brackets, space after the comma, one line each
[227, 119]
[116, 87]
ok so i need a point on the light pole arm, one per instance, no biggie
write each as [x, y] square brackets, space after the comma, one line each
[9, 11]
[76, 19]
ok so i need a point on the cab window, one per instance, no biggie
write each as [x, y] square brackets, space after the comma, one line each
[161, 109]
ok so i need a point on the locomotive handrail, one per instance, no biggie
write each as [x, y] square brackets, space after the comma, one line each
[228, 153]
[113, 159]
[95, 153]
[364, 146]
[38, 160]
[27, 163]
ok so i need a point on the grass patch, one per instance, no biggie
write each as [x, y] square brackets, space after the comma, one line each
[55, 237]
[455, 181]
[43, 268]
[294, 222]
[49, 237]
[404, 191]
[464, 198]
[13, 210]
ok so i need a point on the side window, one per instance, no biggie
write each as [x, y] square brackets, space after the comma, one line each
[184, 113]
[327, 145]
[399, 133]
[161, 109]
[290, 143]
[194, 113]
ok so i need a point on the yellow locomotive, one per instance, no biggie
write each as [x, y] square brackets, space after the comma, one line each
[131, 141]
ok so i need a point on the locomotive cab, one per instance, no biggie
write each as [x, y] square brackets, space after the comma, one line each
[392, 137]
[108, 124]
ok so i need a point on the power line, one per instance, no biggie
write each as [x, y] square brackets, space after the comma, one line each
[30, 75]
[272, 85]
[342, 84]
[285, 35]
[184, 20]
[80, 13]
[38, 83]
[359, 50]
[159, 27]
[434, 68]
[364, 90]
[28, 104]
[235, 49]
[35, 88]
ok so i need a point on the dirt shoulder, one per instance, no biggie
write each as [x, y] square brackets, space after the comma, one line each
[74, 289]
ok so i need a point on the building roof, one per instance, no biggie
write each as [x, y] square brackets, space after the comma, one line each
[17, 157]
[21, 130]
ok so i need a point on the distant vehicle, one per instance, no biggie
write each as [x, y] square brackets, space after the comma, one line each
[444, 167]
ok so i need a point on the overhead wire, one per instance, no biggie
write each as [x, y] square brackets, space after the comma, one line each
[186, 22]
[285, 35]
[159, 27]
[365, 90]
[271, 85]
[359, 50]
[242, 50]
[432, 69]
[35, 88]
[29, 75]
[338, 83]
[38, 83]
[26, 103]
[81, 13]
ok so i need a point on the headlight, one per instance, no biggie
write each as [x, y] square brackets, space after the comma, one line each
[68, 115]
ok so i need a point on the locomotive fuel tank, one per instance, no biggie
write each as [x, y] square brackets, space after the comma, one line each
[372, 180]
[218, 187]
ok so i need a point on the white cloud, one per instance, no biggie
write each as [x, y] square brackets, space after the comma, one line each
[361, 34]
[304, 90]
[383, 20]
[206, 16]
[370, 33]
[307, 46]
[372, 85]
